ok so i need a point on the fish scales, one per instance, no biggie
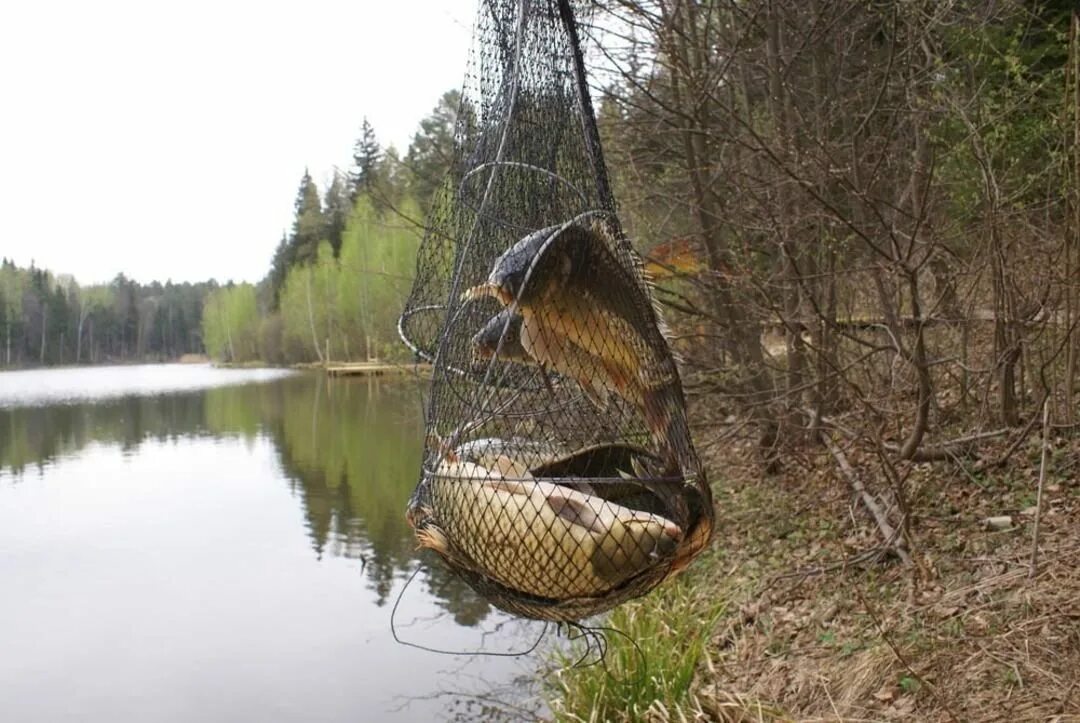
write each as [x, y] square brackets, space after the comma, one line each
[516, 533]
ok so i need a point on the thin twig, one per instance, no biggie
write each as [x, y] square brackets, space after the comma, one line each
[1039, 495]
[900, 656]
[1004, 458]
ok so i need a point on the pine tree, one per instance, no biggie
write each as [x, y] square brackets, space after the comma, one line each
[307, 223]
[366, 154]
[432, 149]
[337, 206]
[279, 266]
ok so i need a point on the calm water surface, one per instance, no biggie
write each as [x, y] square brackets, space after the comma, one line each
[182, 543]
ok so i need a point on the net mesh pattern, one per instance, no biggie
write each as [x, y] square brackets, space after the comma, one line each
[559, 476]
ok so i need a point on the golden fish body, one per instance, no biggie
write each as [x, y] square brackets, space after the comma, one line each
[557, 352]
[585, 314]
[537, 537]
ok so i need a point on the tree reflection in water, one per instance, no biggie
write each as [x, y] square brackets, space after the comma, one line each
[350, 450]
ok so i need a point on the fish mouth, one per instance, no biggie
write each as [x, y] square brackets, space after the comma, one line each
[482, 350]
[489, 290]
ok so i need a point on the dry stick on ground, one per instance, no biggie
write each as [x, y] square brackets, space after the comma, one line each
[945, 451]
[892, 536]
[1039, 495]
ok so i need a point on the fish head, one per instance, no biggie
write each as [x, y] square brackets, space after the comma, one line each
[504, 328]
[530, 269]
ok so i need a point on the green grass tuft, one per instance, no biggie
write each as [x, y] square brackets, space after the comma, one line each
[651, 667]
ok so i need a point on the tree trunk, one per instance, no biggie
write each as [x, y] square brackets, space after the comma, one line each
[78, 338]
[780, 110]
[311, 318]
[44, 326]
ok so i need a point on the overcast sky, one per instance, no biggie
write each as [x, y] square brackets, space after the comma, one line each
[167, 139]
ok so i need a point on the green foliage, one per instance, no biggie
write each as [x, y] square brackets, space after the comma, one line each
[651, 660]
[348, 306]
[909, 684]
[999, 93]
[308, 223]
[432, 149]
[230, 323]
[45, 319]
[336, 207]
[378, 257]
[366, 155]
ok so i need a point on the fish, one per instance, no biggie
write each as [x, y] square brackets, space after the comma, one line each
[513, 456]
[587, 315]
[505, 327]
[546, 350]
[535, 537]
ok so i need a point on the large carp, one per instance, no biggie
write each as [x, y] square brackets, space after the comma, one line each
[535, 536]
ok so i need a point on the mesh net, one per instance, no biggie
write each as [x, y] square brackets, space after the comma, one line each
[559, 476]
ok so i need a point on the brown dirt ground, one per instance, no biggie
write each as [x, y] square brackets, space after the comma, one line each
[818, 632]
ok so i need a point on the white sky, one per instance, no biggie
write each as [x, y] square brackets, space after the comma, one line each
[167, 139]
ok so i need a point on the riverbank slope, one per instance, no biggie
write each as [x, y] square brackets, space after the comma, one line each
[798, 611]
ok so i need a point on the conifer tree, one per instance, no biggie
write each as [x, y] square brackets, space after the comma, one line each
[366, 154]
[307, 223]
[336, 211]
[432, 149]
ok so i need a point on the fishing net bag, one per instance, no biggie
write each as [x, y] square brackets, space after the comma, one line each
[559, 478]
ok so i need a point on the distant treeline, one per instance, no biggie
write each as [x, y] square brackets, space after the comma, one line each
[50, 319]
[339, 277]
[334, 289]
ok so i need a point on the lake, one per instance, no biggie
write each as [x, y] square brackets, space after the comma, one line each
[181, 543]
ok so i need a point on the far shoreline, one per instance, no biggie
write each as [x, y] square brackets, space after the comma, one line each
[182, 359]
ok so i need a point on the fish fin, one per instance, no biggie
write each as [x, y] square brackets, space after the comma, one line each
[433, 538]
[486, 290]
[514, 487]
[575, 511]
[509, 468]
[594, 392]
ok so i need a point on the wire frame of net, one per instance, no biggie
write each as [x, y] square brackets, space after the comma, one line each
[559, 477]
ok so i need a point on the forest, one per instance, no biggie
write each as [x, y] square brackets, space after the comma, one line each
[333, 290]
[880, 353]
[47, 319]
[339, 277]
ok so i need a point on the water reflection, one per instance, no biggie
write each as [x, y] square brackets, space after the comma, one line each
[350, 450]
[242, 539]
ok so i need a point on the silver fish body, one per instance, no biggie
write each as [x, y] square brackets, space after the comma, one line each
[536, 537]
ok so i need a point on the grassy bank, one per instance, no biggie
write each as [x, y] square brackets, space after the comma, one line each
[799, 613]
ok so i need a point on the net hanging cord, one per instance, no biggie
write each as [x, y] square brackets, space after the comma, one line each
[588, 119]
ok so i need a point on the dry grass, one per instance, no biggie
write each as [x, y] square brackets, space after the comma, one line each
[963, 634]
